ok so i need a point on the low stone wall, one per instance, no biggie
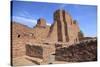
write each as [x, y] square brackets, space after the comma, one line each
[34, 51]
[86, 51]
[41, 51]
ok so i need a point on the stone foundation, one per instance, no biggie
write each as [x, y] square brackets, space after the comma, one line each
[41, 51]
[34, 51]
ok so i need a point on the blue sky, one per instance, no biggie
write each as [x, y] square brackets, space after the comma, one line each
[28, 12]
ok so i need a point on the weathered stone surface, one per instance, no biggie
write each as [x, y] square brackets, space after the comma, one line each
[52, 35]
[39, 51]
[41, 23]
[85, 51]
[66, 29]
[20, 35]
[34, 51]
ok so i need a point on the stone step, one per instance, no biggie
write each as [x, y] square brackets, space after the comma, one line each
[35, 60]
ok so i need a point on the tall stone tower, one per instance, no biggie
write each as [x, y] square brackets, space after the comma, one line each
[65, 28]
[59, 17]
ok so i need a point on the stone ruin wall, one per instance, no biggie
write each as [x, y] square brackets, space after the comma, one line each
[85, 51]
[41, 30]
[34, 51]
[39, 51]
[64, 29]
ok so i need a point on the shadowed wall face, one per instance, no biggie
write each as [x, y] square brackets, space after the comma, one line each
[34, 51]
[66, 30]
[65, 26]
[85, 51]
[58, 16]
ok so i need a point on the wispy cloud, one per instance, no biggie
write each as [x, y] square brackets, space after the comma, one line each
[25, 14]
[26, 21]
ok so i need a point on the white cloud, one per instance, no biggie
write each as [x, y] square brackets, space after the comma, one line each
[26, 21]
[24, 14]
[49, 24]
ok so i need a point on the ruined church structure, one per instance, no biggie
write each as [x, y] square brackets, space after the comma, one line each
[41, 43]
[64, 28]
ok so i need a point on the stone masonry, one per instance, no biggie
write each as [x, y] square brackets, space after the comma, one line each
[45, 39]
[64, 27]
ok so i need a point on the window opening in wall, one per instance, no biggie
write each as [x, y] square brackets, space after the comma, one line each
[18, 36]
